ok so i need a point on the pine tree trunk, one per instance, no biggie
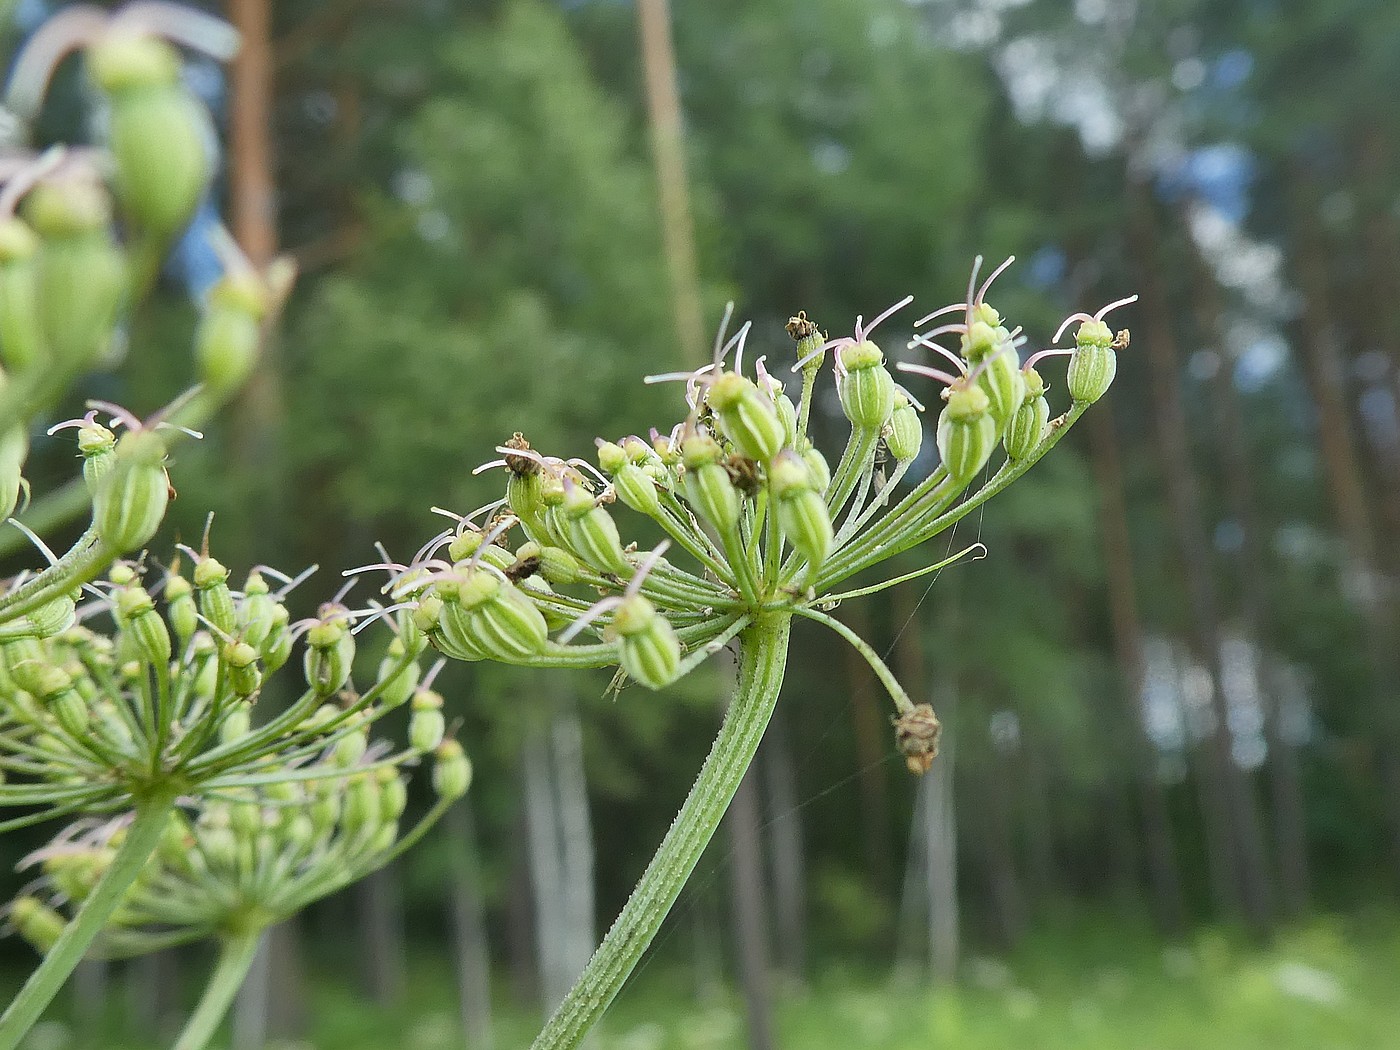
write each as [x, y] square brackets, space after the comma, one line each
[469, 928]
[940, 839]
[784, 828]
[1346, 488]
[1284, 768]
[1243, 828]
[873, 740]
[1126, 626]
[750, 912]
[561, 851]
[379, 904]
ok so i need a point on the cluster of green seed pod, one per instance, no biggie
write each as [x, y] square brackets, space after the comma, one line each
[756, 518]
[245, 859]
[83, 231]
[159, 679]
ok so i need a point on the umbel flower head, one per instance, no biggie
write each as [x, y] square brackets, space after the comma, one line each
[150, 684]
[242, 861]
[757, 522]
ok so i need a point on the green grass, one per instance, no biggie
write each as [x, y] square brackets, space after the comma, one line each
[1329, 984]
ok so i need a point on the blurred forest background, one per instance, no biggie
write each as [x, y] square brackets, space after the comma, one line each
[1168, 811]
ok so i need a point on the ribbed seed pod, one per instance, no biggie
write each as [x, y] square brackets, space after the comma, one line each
[747, 416]
[591, 533]
[866, 387]
[636, 489]
[180, 608]
[426, 724]
[98, 447]
[229, 334]
[21, 332]
[966, 432]
[802, 513]
[215, 598]
[818, 470]
[130, 501]
[81, 271]
[906, 433]
[648, 648]
[330, 654]
[1027, 425]
[396, 687]
[37, 923]
[452, 770]
[1093, 364]
[707, 485]
[14, 449]
[244, 678]
[147, 630]
[159, 134]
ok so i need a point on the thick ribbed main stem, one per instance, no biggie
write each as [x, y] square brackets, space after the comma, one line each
[763, 659]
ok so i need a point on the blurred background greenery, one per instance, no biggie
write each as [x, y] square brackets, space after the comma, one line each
[1168, 812]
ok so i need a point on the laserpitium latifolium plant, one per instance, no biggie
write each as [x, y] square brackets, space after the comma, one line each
[763, 530]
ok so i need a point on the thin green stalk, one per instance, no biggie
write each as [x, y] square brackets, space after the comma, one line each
[236, 953]
[881, 669]
[142, 837]
[920, 532]
[762, 661]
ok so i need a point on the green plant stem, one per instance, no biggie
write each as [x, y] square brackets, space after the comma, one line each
[762, 661]
[236, 953]
[142, 837]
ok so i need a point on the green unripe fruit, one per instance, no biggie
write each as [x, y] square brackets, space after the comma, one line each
[426, 725]
[159, 134]
[866, 387]
[465, 545]
[236, 724]
[806, 522]
[510, 627]
[257, 612]
[98, 447]
[591, 533]
[524, 498]
[966, 433]
[14, 449]
[215, 598]
[452, 770]
[1001, 381]
[393, 793]
[330, 653]
[81, 272]
[818, 470]
[37, 923]
[361, 810]
[144, 625]
[635, 487]
[396, 686]
[131, 500]
[244, 678]
[350, 748]
[710, 491]
[277, 650]
[556, 564]
[1093, 364]
[648, 648]
[906, 433]
[180, 608]
[611, 457]
[1028, 423]
[21, 330]
[747, 417]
